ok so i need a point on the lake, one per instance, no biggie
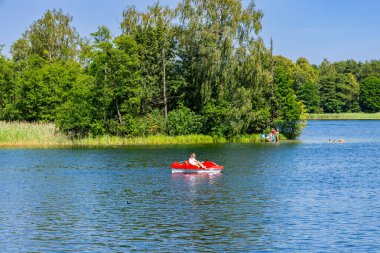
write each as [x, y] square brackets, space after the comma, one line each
[304, 196]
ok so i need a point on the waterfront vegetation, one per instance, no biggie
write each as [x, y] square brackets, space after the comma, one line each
[199, 70]
[24, 134]
[30, 134]
[345, 116]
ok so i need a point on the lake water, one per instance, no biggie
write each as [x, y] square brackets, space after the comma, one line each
[304, 196]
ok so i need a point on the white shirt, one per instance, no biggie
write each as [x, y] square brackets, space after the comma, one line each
[192, 161]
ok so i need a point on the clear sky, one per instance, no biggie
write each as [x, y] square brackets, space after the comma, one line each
[315, 29]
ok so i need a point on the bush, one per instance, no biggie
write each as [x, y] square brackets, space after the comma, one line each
[155, 123]
[184, 121]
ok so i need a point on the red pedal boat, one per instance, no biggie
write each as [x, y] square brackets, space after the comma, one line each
[211, 167]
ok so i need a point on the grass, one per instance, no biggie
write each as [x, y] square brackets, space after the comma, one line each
[248, 138]
[30, 134]
[21, 134]
[345, 116]
[108, 140]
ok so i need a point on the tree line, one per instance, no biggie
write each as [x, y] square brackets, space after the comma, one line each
[343, 86]
[200, 68]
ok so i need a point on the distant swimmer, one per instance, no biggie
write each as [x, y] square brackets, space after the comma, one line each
[340, 140]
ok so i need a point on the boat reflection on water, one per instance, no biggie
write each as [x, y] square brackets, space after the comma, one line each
[197, 188]
[196, 178]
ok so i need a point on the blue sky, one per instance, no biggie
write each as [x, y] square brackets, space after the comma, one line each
[315, 29]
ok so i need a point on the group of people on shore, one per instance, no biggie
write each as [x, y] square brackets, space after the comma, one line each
[273, 136]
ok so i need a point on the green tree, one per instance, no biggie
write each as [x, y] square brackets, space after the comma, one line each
[209, 33]
[290, 113]
[115, 67]
[368, 69]
[226, 68]
[77, 116]
[306, 85]
[7, 89]
[51, 37]
[154, 33]
[183, 121]
[252, 72]
[339, 93]
[370, 94]
[41, 87]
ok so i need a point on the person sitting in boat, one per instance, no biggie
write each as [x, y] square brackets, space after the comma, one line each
[195, 162]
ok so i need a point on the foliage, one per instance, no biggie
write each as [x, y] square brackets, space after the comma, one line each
[370, 94]
[290, 113]
[30, 134]
[39, 88]
[50, 37]
[76, 116]
[183, 121]
[117, 92]
[7, 91]
[339, 93]
[306, 85]
[200, 68]
[153, 31]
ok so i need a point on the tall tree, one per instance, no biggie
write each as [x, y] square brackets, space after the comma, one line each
[368, 69]
[154, 33]
[339, 93]
[210, 32]
[41, 87]
[306, 85]
[370, 94]
[7, 88]
[290, 113]
[115, 67]
[51, 37]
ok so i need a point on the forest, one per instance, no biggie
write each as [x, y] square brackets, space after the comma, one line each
[200, 68]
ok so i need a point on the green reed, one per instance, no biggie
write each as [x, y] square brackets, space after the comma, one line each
[345, 116]
[22, 134]
[30, 134]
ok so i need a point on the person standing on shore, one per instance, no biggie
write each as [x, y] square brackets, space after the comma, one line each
[275, 135]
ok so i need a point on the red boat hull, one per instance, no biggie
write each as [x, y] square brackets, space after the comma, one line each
[186, 167]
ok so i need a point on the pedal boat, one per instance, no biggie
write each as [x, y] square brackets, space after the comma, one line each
[185, 167]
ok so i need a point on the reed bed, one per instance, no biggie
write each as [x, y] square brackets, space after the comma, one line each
[248, 138]
[22, 134]
[30, 134]
[107, 140]
[345, 116]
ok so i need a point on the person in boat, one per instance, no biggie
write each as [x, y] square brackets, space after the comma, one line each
[193, 161]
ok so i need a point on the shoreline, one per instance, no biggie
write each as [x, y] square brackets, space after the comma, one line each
[148, 141]
[46, 135]
[344, 116]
